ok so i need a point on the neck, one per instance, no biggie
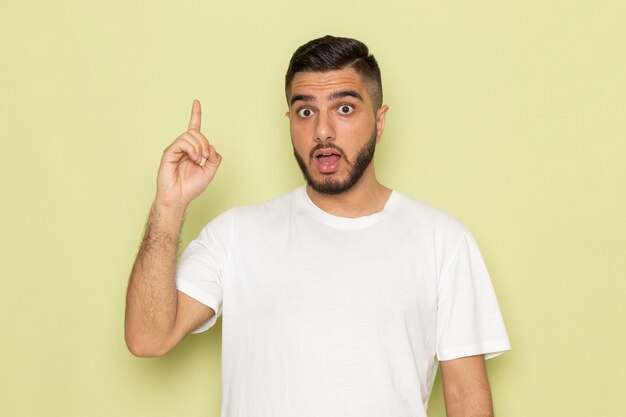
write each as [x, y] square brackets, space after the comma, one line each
[366, 197]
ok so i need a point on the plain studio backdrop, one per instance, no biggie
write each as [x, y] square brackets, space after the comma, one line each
[509, 116]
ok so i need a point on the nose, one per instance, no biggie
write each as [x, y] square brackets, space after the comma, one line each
[324, 129]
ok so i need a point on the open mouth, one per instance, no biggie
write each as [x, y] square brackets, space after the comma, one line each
[327, 157]
[327, 160]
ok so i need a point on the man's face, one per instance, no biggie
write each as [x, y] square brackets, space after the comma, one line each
[334, 128]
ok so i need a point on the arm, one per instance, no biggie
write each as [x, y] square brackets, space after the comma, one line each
[466, 388]
[157, 315]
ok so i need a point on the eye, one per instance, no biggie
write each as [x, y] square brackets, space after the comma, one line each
[346, 109]
[305, 112]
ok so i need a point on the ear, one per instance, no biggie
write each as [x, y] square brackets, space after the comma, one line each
[287, 114]
[380, 121]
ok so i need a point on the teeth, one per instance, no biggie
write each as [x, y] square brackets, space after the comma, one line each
[324, 154]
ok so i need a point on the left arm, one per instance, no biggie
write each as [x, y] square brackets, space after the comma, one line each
[466, 388]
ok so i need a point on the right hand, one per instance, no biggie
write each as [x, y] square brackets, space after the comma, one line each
[188, 165]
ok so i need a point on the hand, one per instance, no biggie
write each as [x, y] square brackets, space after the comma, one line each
[188, 165]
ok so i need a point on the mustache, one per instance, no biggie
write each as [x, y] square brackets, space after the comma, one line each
[329, 145]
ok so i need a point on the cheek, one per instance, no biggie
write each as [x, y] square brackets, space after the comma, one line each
[298, 139]
[299, 131]
[355, 128]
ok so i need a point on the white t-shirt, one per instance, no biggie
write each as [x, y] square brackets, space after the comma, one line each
[338, 317]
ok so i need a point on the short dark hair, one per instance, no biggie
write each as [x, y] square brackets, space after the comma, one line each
[331, 53]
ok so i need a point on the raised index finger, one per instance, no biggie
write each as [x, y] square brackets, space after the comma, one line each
[196, 116]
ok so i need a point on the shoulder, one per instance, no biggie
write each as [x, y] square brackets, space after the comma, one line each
[454, 247]
[273, 207]
[419, 214]
[248, 217]
[268, 215]
[431, 226]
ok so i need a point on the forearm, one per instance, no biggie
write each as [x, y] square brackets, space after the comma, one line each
[466, 387]
[151, 301]
[473, 403]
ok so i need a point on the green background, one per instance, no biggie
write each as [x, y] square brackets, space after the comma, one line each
[509, 116]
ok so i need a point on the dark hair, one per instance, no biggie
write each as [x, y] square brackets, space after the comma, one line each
[331, 53]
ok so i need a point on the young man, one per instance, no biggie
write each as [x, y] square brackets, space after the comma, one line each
[339, 298]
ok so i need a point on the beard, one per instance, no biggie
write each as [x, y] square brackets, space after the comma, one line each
[356, 168]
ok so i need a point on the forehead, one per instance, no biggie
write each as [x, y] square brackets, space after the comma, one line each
[322, 83]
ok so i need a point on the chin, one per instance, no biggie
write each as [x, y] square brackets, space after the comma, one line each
[331, 185]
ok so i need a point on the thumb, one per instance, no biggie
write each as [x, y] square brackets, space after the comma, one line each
[214, 157]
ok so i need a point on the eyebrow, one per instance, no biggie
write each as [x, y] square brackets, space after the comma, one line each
[345, 93]
[332, 96]
[301, 97]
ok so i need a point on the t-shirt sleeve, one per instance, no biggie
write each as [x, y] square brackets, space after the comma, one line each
[200, 271]
[469, 321]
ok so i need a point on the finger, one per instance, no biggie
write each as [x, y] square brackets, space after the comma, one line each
[197, 153]
[196, 116]
[177, 150]
[201, 140]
